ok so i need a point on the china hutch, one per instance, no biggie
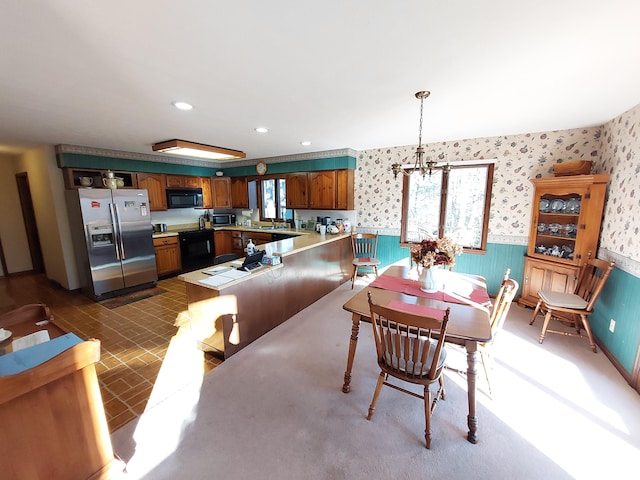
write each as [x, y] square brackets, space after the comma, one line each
[565, 229]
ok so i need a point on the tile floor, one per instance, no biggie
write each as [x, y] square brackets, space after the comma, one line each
[135, 338]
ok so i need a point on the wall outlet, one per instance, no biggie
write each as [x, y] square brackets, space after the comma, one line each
[612, 325]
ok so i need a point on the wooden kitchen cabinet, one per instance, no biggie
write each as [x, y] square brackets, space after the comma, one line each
[221, 192]
[223, 242]
[322, 189]
[167, 251]
[207, 197]
[183, 181]
[564, 233]
[155, 184]
[239, 192]
[297, 190]
[345, 189]
[258, 238]
[72, 177]
[237, 245]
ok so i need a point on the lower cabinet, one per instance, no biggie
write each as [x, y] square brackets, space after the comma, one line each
[167, 255]
[223, 242]
[258, 238]
[542, 275]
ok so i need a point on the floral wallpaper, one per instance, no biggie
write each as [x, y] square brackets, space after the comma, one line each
[518, 158]
[614, 148]
[620, 153]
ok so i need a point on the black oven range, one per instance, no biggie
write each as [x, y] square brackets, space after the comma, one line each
[196, 249]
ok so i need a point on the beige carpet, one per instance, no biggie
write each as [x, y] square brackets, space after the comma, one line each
[276, 411]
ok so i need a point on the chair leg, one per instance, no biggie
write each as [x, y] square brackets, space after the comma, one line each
[535, 312]
[547, 319]
[585, 324]
[376, 394]
[427, 415]
[485, 366]
[353, 277]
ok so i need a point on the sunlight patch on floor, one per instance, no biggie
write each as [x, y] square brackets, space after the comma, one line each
[534, 400]
[180, 382]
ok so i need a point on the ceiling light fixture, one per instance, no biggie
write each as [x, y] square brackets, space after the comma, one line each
[199, 150]
[420, 165]
[182, 105]
[306, 143]
[261, 129]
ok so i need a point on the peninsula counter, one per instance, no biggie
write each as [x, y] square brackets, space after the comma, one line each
[312, 266]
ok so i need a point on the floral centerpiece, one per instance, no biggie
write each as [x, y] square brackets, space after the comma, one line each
[430, 252]
[439, 251]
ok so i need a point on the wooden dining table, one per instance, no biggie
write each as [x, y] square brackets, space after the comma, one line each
[466, 297]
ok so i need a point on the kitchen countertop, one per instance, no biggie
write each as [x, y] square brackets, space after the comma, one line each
[174, 230]
[282, 248]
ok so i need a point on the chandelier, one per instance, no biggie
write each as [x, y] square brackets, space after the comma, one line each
[424, 167]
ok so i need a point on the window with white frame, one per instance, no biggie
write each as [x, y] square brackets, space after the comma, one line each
[451, 202]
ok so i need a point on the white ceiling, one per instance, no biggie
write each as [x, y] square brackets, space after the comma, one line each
[339, 73]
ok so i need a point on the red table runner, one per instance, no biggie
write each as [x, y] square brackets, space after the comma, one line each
[459, 292]
[423, 310]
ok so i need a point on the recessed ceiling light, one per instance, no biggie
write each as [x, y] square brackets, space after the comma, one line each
[182, 105]
[306, 143]
[261, 129]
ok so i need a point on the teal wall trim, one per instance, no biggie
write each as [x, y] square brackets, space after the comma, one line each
[334, 163]
[492, 266]
[78, 160]
[619, 300]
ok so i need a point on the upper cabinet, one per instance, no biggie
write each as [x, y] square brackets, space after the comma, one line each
[565, 230]
[345, 189]
[297, 190]
[221, 192]
[183, 181]
[155, 184]
[207, 197]
[91, 177]
[322, 189]
[239, 192]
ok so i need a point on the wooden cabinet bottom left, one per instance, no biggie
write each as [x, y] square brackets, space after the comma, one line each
[167, 255]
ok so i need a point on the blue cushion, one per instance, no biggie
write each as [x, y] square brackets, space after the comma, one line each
[16, 362]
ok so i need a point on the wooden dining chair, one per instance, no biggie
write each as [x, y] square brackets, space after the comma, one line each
[365, 249]
[572, 309]
[499, 312]
[409, 347]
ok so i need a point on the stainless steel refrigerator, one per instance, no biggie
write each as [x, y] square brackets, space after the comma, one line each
[115, 250]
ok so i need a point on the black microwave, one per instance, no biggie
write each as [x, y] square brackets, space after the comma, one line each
[184, 197]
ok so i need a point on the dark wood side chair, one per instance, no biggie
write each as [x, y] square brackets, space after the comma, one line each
[365, 248]
[409, 347]
[572, 309]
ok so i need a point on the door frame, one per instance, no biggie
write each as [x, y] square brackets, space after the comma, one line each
[30, 224]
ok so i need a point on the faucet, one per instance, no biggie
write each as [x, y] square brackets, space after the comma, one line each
[273, 223]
